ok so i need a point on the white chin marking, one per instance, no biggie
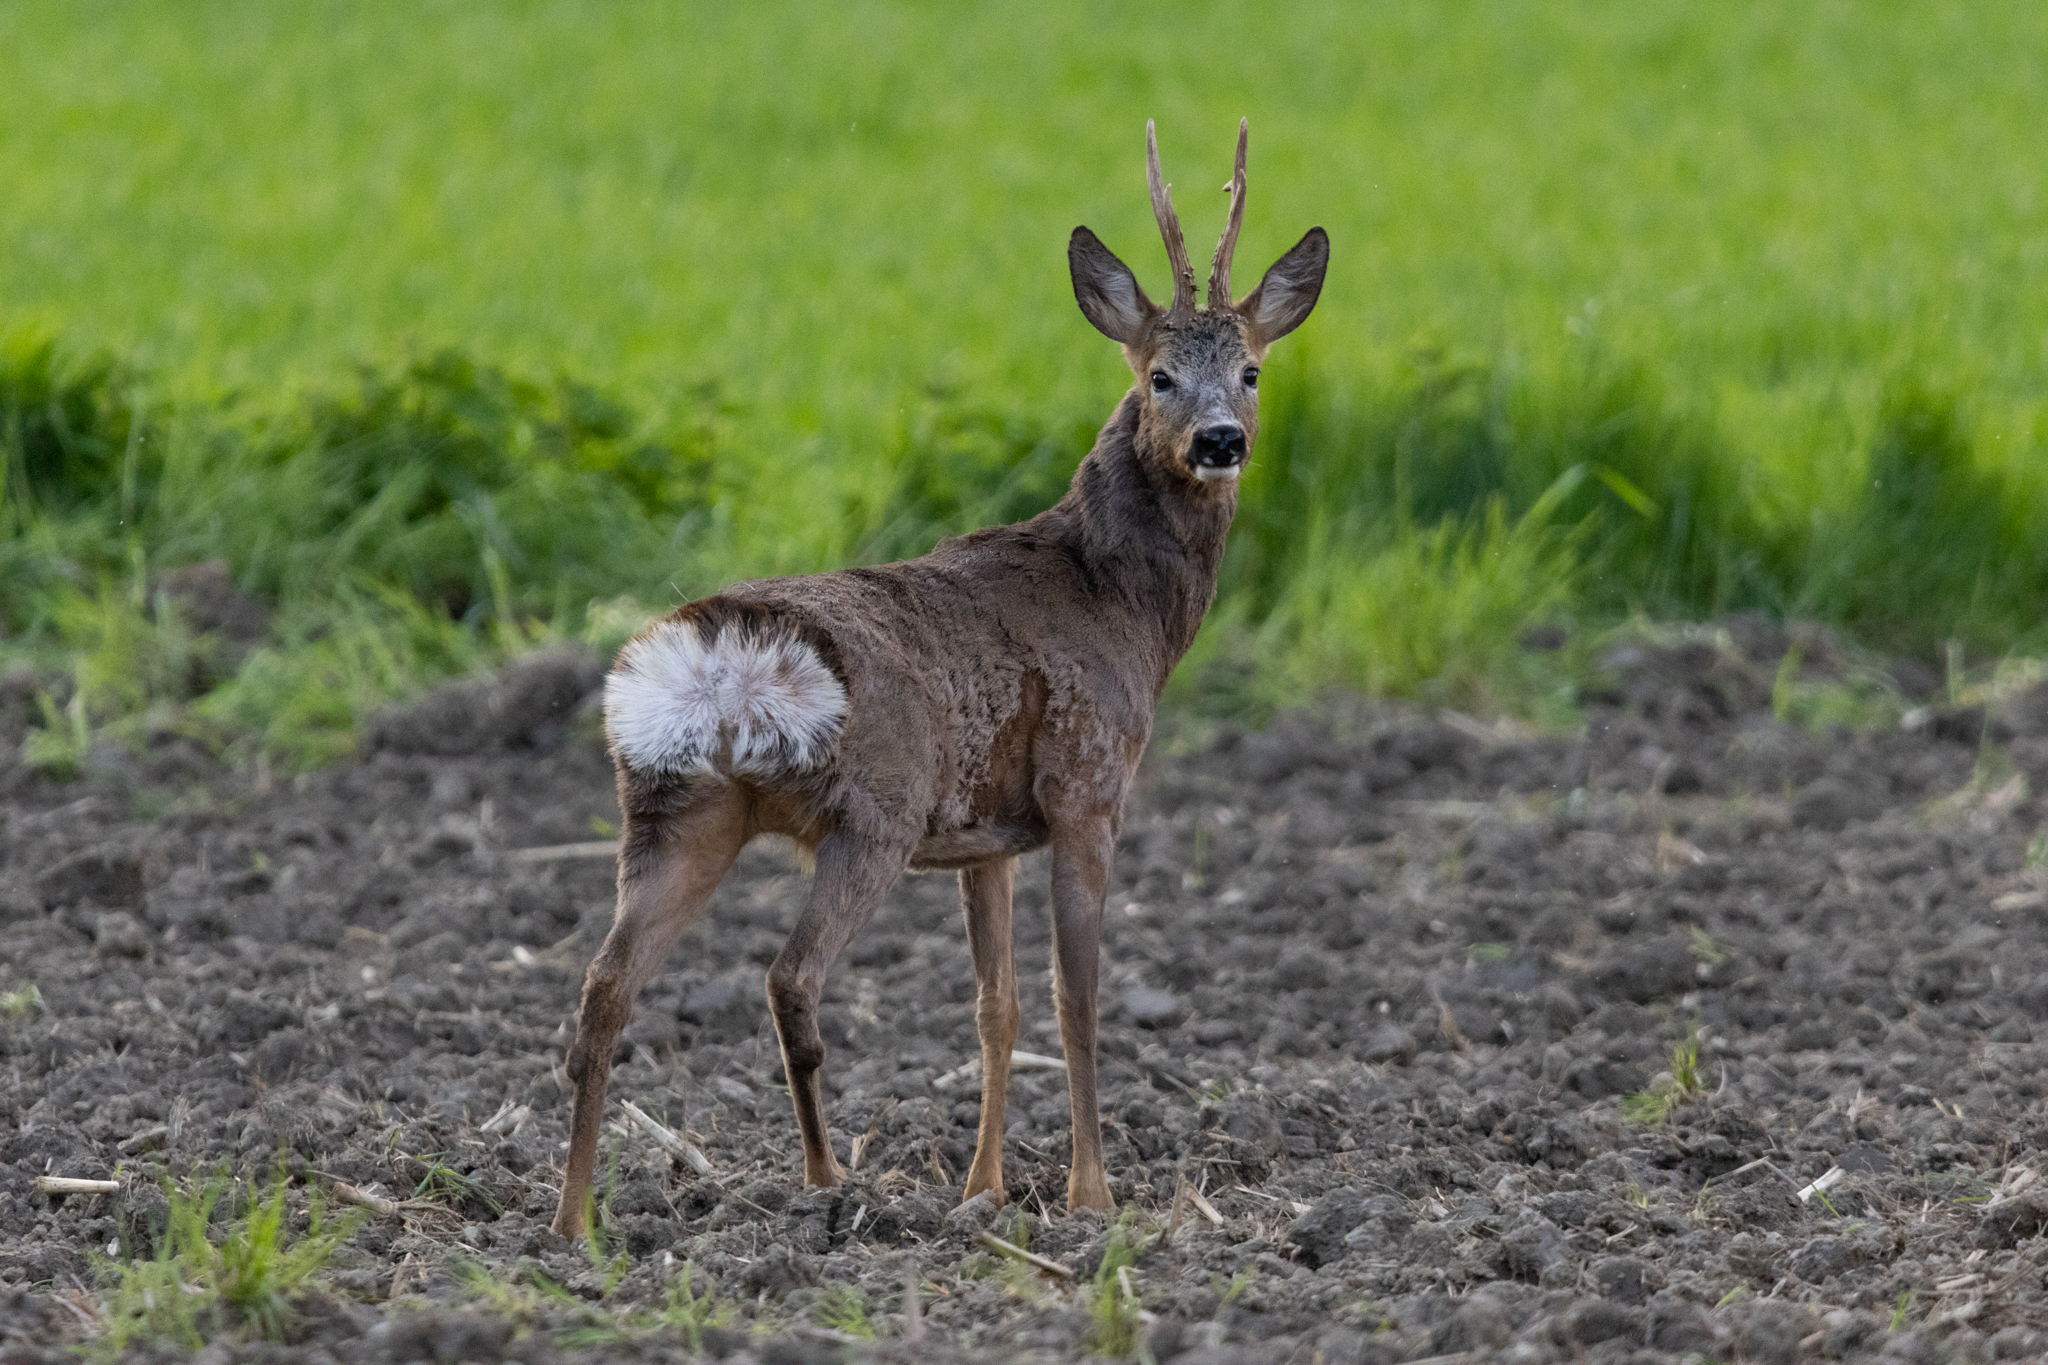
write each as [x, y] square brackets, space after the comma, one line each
[758, 707]
[1209, 473]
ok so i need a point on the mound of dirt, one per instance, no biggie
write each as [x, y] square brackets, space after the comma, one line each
[528, 704]
[1688, 1035]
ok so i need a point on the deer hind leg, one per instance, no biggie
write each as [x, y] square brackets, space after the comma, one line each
[664, 884]
[1080, 878]
[852, 877]
[985, 897]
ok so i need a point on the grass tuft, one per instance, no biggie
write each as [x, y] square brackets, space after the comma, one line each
[1679, 1083]
[20, 1003]
[444, 1184]
[208, 1279]
[843, 1308]
[1115, 1327]
[530, 1299]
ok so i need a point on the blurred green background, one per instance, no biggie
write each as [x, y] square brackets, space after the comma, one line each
[453, 328]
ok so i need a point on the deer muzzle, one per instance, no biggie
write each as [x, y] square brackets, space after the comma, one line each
[1218, 451]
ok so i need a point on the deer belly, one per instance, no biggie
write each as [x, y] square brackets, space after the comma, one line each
[977, 844]
[747, 703]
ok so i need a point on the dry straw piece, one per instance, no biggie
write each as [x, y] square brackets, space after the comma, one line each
[666, 1139]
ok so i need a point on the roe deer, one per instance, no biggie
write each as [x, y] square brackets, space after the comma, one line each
[953, 711]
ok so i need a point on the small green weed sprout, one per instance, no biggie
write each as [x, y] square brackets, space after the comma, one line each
[1902, 1309]
[523, 1298]
[1113, 1303]
[844, 1309]
[1019, 1278]
[445, 1185]
[685, 1311]
[596, 1217]
[690, 1312]
[1861, 698]
[21, 1002]
[60, 746]
[1018, 1234]
[1679, 1084]
[1705, 947]
[196, 1289]
[1229, 1292]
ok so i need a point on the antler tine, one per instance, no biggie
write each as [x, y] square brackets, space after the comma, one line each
[1169, 225]
[1219, 269]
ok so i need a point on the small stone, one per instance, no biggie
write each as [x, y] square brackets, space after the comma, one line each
[1599, 1320]
[1822, 1257]
[1149, 1008]
[722, 1010]
[713, 997]
[17, 902]
[1319, 1234]
[1302, 972]
[2017, 1028]
[974, 1215]
[1390, 1043]
[122, 934]
[109, 880]
[1677, 1324]
[1621, 1278]
[1537, 1251]
[1831, 804]
[2018, 1343]
[2012, 1222]
[1480, 1325]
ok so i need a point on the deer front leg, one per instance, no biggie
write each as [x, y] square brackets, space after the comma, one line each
[662, 889]
[985, 898]
[852, 877]
[1080, 879]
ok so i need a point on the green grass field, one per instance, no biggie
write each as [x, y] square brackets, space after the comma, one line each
[442, 322]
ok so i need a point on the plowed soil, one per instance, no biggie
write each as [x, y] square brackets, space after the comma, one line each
[1408, 1001]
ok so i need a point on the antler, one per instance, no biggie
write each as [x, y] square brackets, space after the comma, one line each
[1169, 226]
[1219, 269]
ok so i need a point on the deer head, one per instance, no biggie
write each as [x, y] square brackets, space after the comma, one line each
[1197, 367]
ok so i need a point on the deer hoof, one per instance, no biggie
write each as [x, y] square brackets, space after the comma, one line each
[1092, 1194]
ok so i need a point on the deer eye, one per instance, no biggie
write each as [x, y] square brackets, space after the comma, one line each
[1251, 376]
[1161, 381]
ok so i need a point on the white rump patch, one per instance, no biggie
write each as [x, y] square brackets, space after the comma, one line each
[754, 707]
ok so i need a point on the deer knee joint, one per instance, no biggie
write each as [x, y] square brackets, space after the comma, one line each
[601, 983]
[789, 995]
[998, 1010]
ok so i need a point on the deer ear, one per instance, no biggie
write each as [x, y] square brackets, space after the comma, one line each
[1106, 289]
[1288, 293]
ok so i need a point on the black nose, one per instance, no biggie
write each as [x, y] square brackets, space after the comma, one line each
[1219, 446]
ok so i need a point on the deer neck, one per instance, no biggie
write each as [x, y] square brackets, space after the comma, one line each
[1152, 542]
